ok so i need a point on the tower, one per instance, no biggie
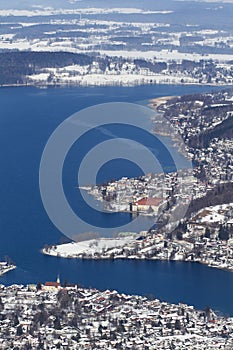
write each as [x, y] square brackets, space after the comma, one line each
[58, 279]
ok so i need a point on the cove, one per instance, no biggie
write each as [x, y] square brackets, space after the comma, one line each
[28, 117]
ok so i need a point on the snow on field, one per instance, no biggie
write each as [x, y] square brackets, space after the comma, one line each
[215, 213]
[51, 11]
[7, 36]
[20, 44]
[40, 77]
[94, 79]
[167, 55]
[26, 24]
[89, 247]
[207, 32]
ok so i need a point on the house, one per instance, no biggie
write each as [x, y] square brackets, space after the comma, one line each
[51, 286]
[147, 204]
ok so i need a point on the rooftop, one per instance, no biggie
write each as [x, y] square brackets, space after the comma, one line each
[149, 201]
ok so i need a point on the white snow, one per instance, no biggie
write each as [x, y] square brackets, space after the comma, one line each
[95, 79]
[27, 24]
[167, 55]
[40, 76]
[6, 36]
[215, 213]
[50, 11]
[90, 247]
[207, 32]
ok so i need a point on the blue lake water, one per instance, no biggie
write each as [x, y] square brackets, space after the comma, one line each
[28, 117]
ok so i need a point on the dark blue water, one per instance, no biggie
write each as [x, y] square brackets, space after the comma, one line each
[28, 117]
[114, 168]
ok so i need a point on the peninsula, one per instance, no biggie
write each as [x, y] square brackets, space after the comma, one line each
[205, 233]
[6, 267]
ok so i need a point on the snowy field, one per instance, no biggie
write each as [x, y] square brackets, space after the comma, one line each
[92, 246]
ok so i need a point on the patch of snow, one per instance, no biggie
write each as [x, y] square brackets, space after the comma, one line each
[92, 246]
[50, 11]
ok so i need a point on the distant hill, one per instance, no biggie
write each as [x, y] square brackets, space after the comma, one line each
[17, 66]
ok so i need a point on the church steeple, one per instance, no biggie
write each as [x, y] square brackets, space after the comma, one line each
[58, 279]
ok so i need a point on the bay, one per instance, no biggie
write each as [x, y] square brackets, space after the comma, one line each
[28, 117]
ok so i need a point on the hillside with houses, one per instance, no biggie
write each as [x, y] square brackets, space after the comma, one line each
[62, 316]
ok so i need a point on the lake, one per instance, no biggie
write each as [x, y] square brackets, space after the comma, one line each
[28, 117]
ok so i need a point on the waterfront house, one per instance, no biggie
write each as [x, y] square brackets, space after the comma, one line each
[147, 205]
[51, 286]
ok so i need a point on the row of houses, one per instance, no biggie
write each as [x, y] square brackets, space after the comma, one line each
[54, 317]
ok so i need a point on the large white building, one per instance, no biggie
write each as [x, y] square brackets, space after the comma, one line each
[147, 204]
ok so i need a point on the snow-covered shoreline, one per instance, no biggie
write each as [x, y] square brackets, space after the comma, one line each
[5, 267]
[92, 246]
[124, 248]
[110, 83]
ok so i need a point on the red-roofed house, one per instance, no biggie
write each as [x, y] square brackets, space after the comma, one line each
[147, 204]
[52, 285]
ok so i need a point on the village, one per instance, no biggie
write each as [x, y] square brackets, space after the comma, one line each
[202, 231]
[146, 195]
[204, 122]
[59, 316]
[157, 51]
[69, 43]
[207, 238]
